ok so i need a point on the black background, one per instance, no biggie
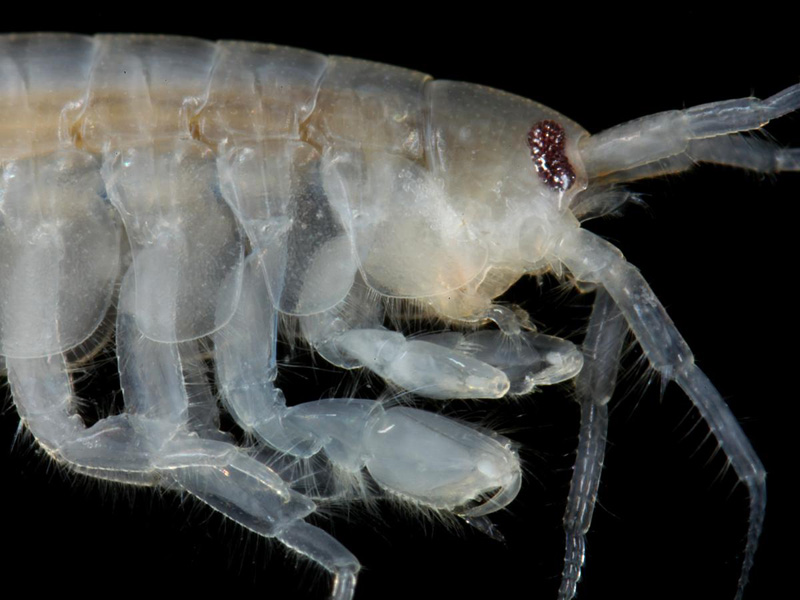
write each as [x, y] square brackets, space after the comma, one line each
[716, 245]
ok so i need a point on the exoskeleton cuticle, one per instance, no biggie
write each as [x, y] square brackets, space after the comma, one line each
[346, 240]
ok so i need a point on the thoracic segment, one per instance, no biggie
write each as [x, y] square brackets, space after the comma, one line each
[208, 188]
[329, 165]
[233, 183]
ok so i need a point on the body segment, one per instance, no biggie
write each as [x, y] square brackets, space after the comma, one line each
[256, 184]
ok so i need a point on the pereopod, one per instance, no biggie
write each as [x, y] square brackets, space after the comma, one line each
[218, 195]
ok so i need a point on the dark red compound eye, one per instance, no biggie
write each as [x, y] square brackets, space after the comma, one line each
[546, 139]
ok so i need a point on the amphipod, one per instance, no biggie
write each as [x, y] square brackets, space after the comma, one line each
[184, 205]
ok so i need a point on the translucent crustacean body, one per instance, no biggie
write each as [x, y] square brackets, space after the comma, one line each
[364, 174]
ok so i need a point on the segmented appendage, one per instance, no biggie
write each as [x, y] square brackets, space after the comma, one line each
[203, 200]
[213, 194]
